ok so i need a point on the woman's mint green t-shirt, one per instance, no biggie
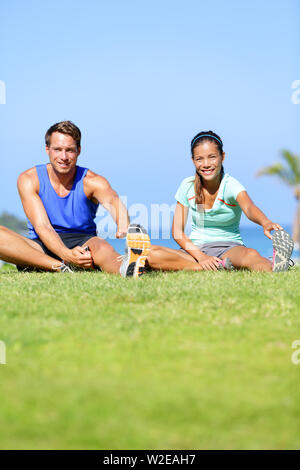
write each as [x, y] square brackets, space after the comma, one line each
[222, 221]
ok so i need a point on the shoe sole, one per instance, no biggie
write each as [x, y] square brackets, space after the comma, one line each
[139, 246]
[282, 249]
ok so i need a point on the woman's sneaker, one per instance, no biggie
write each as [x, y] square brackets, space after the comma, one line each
[282, 249]
[225, 264]
[136, 251]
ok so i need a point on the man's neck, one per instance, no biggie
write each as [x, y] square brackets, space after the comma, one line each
[66, 180]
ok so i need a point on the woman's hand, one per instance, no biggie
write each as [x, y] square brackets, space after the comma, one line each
[268, 226]
[208, 263]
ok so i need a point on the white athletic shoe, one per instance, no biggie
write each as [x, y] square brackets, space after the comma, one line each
[282, 249]
[136, 251]
[63, 268]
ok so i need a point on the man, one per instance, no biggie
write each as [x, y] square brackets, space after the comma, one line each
[60, 200]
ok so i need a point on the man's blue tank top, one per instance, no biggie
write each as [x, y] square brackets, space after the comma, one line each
[74, 213]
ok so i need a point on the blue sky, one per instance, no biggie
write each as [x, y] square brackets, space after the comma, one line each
[140, 79]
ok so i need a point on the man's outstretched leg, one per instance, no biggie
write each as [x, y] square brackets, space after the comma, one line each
[104, 255]
[132, 263]
[16, 249]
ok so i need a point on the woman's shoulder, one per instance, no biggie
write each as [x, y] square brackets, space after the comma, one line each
[230, 179]
[188, 181]
[185, 190]
[232, 187]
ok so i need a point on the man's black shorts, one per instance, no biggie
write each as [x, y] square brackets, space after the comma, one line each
[69, 239]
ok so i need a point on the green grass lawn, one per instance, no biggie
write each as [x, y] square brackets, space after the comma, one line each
[173, 360]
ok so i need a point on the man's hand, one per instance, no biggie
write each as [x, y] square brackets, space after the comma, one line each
[208, 263]
[121, 233]
[79, 257]
[100, 190]
[268, 226]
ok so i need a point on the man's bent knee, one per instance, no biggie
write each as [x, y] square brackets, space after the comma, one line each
[98, 245]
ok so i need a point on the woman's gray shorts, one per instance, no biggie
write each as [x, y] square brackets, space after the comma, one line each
[218, 248]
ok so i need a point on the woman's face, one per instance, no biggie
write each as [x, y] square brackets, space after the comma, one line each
[207, 160]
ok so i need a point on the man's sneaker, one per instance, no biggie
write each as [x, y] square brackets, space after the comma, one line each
[282, 249]
[136, 251]
[225, 264]
[63, 268]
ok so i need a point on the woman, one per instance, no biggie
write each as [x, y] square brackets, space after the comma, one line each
[216, 201]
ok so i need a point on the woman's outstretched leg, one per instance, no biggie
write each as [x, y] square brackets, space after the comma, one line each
[23, 252]
[167, 259]
[247, 258]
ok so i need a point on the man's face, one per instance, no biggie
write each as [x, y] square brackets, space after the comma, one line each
[63, 152]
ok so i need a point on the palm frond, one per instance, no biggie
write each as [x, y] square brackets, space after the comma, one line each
[293, 162]
[285, 174]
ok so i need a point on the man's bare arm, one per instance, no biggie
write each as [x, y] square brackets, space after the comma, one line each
[36, 213]
[100, 189]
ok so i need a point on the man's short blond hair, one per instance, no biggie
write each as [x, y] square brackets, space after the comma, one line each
[64, 127]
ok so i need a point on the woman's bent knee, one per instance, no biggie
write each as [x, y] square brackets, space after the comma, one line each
[252, 254]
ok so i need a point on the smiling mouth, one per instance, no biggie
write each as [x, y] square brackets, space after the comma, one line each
[207, 172]
[64, 165]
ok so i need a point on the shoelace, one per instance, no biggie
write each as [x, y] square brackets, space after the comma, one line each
[63, 268]
[291, 262]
